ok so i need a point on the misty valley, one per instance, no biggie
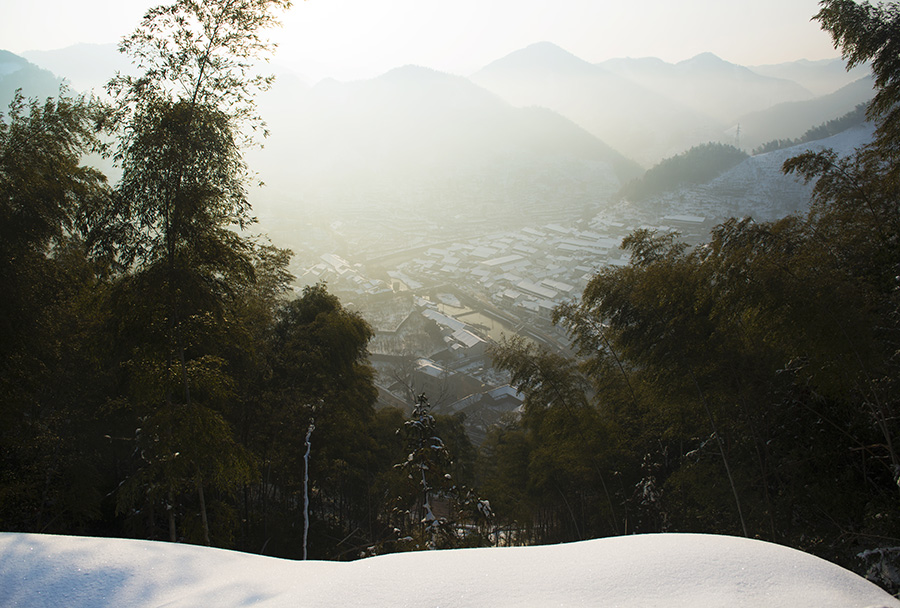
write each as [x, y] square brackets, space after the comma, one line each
[502, 188]
[507, 188]
[548, 301]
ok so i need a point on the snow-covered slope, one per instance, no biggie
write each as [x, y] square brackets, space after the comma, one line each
[672, 570]
[757, 187]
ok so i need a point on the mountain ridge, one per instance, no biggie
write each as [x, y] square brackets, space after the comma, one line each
[417, 128]
[711, 85]
[17, 73]
[418, 135]
[789, 120]
[627, 115]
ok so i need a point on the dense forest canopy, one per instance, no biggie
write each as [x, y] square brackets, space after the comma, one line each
[160, 379]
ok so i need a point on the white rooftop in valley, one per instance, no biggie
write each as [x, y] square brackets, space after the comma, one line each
[688, 219]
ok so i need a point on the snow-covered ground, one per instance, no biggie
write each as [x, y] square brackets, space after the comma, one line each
[670, 570]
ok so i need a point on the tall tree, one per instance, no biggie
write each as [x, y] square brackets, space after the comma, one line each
[317, 368]
[181, 203]
[45, 191]
[870, 33]
[50, 381]
[854, 206]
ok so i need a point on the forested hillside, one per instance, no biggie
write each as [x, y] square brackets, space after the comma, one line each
[17, 73]
[827, 129]
[698, 165]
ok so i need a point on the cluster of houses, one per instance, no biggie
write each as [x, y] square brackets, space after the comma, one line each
[419, 349]
[526, 273]
[461, 341]
[347, 277]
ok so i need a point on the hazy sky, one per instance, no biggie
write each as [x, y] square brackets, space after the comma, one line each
[349, 39]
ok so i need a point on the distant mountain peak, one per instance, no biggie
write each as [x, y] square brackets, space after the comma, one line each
[412, 72]
[545, 46]
[547, 51]
[707, 56]
[543, 56]
[705, 61]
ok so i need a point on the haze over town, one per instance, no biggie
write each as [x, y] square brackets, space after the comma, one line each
[456, 173]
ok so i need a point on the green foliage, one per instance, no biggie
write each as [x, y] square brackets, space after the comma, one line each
[560, 453]
[868, 33]
[699, 165]
[52, 373]
[44, 190]
[173, 229]
[202, 53]
[182, 190]
[855, 221]
[452, 431]
[546, 379]
[155, 382]
[426, 467]
[153, 374]
[503, 479]
[315, 366]
[750, 383]
[53, 382]
[728, 375]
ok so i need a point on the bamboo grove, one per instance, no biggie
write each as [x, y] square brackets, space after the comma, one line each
[158, 377]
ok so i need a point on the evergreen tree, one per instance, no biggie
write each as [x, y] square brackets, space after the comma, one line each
[432, 510]
[316, 368]
[564, 448]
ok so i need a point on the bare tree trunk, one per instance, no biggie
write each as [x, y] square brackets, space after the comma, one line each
[309, 432]
[203, 517]
[170, 509]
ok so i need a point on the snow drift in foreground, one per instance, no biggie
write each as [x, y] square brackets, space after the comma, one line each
[671, 570]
